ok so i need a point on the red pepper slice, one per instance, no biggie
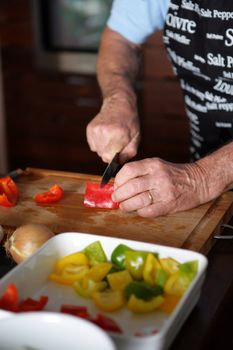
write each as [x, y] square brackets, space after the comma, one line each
[9, 300]
[79, 311]
[106, 323]
[99, 197]
[53, 195]
[30, 304]
[8, 192]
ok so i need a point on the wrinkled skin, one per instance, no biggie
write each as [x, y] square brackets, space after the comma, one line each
[115, 129]
[151, 187]
[173, 187]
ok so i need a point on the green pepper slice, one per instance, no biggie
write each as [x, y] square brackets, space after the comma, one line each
[134, 263]
[95, 253]
[161, 277]
[189, 269]
[142, 290]
[118, 255]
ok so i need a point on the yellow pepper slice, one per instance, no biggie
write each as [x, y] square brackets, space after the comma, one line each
[177, 284]
[74, 273]
[151, 267]
[59, 279]
[170, 302]
[170, 265]
[77, 258]
[98, 272]
[69, 274]
[141, 306]
[119, 280]
[89, 289]
[109, 300]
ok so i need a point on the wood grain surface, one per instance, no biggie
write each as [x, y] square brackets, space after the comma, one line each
[192, 229]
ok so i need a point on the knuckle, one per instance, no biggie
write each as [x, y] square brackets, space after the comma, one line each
[105, 157]
[132, 152]
[127, 168]
[159, 165]
[92, 147]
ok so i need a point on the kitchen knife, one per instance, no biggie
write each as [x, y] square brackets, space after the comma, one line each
[16, 173]
[110, 170]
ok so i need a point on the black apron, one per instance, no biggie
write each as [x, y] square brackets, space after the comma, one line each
[198, 35]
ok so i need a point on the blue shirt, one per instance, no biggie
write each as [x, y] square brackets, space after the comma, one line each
[136, 20]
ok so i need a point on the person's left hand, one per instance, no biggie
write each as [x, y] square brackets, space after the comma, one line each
[153, 187]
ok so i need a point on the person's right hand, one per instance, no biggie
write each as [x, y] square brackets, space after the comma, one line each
[115, 129]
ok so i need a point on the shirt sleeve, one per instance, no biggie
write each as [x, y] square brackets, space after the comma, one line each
[136, 20]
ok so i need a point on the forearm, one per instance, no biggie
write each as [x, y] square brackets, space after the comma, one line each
[117, 66]
[116, 128]
[216, 171]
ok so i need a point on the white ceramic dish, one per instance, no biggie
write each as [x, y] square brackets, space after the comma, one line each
[51, 331]
[157, 329]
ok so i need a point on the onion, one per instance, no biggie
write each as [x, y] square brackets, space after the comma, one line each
[26, 239]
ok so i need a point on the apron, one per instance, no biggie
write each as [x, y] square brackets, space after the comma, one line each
[198, 36]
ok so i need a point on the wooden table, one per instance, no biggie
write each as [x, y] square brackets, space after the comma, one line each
[192, 229]
[209, 326]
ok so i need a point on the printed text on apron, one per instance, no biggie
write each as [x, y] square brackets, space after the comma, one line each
[198, 35]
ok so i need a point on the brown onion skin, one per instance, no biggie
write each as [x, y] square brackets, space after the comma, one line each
[26, 240]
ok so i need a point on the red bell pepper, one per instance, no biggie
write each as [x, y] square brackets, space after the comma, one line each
[53, 195]
[106, 323]
[9, 300]
[99, 197]
[30, 304]
[75, 310]
[102, 321]
[8, 192]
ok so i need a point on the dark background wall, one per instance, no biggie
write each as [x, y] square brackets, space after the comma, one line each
[47, 112]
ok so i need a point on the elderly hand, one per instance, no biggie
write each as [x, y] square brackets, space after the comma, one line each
[153, 187]
[115, 129]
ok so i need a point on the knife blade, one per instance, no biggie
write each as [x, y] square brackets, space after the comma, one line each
[110, 170]
[16, 173]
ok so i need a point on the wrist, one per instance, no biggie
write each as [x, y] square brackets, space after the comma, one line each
[121, 96]
[121, 99]
[216, 171]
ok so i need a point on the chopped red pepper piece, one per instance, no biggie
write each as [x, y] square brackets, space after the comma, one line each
[9, 300]
[79, 311]
[102, 321]
[8, 192]
[106, 323]
[53, 195]
[99, 197]
[30, 304]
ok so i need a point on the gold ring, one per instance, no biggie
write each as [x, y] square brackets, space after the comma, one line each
[150, 197]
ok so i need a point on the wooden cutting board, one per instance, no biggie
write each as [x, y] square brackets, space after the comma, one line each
[192, 229]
